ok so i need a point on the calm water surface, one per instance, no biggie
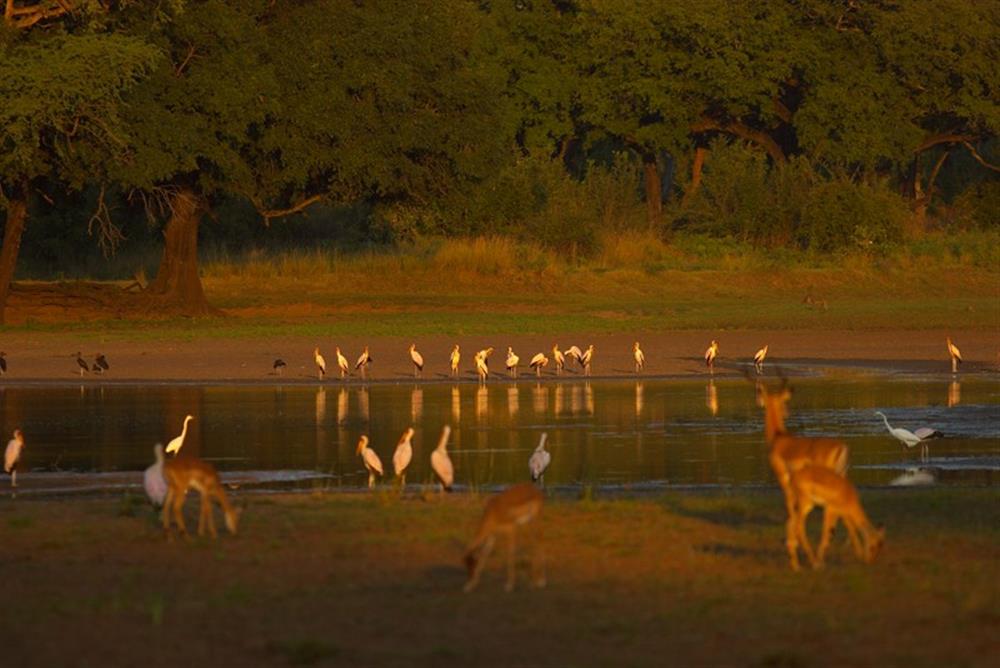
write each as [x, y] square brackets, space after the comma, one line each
[621, 433]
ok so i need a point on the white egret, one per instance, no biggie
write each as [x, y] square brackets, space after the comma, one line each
[320, 363]
[152, 479]
[417, 359]
[758, 360]
[12, 456]
[710, 354]
[441, 462]
[539, 460]
[403, 455]
[371, 460]
[512, 361]
[537, 362]
[911, 438]
[955, 353]
[638, 356]
[174, 446]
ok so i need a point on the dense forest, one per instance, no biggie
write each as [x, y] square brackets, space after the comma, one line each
[814, 124]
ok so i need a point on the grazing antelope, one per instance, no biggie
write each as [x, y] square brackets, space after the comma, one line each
[320, 363]
[402, 456]
[789, 453]
[417, 359]
[710, 354]
[537, 362]
[184, 473]
[455, 358]
[539, 460]
[12, 456]
[152, 478]
[819, 486]
[342, 363]
[955, 353]
[586, 359]
[758, 360]
[363, 362]
[512, 361]
[175, 444]
[504, 513]
[638, 356]
[558, 359]
[371, 460]
[441, 462]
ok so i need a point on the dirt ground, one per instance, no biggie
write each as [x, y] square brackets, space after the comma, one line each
[51, 357]
[374, 580]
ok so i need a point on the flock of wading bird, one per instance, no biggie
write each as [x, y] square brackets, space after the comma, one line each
[811, 471]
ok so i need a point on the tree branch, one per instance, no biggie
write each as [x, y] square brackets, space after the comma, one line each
[943, 138]
[979, 158]
[762, 139]
[269, 214]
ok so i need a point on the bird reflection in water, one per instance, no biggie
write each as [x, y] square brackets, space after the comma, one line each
[482, 402]
[638, 398]
[540, 399]
[456, 405]
[588, 398]
[712, 397]
[954, 393]
[342, 406]
[320, 405]
[560, 399]
[513, 401]
[416, 404]
[363, 411]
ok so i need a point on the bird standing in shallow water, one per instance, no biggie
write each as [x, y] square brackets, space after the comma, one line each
[12, 456]
[455, 358]
[710, 354]
[758, 360]
[279, 366]
[911, 438]
[152, 479]
[320, 363]
[176, 444]
[82, 364]
[955, 353]
[403, 455]
[586, 359]
[512, 361]
[537, 362]
[342, 363]
[363, 363]
[371, 460]
[3, 363]
[418, 361]
[558, 359]
[638, 356]
[441, 462]
[539, 460]
[101, 364]
[574, 353]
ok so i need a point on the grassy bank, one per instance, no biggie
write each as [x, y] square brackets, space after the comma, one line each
[372, 580]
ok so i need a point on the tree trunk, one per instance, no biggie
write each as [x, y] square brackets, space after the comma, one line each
[696, 169]
[654, 196]
[17, 214]
[177, 281]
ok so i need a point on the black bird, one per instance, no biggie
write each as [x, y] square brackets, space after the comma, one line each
[279, 365]
[3, 363]
[82, 363]
[101, 362]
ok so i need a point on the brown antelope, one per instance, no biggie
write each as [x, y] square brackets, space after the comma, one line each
[789, 453]
[504, 513]
[183, 473]
[819, 486]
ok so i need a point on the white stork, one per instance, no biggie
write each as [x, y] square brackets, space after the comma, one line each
[537, 362]
[417, 359]
[342, 363]
[371, 460]
[482, 366]
[710, 354]
[12, 456]
[403, 455]
[441, 462]
[455, 358]
[320, 363]
[539, 460]
[558, 359]
[955, 353]
[512, 361]
[758, 360]
[638, 356]
[174, 446]
[363, 363]
[574, 353]
[586, 359]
